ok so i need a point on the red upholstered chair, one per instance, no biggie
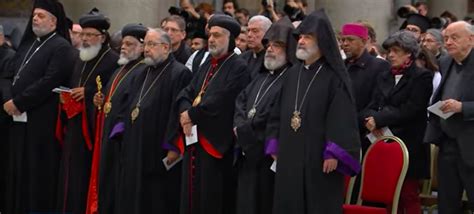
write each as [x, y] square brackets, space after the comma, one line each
[383, 172]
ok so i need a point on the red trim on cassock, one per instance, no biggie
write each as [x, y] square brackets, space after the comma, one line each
[208, 147]
[92, 195]
[59, 134]
[179, 142]
[204, 143]
[85, 127]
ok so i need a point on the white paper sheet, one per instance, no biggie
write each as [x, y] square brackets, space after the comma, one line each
[435, 109]
[193, 138]
[23, 118]
[168, 167]
[273, 167]
[385, 132]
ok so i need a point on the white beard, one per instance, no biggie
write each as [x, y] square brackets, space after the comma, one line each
[272, 63]
[123, 60]
[306, 53]
[89, 53]
[126, 58]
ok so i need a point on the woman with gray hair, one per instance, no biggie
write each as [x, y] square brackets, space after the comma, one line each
[399, 102]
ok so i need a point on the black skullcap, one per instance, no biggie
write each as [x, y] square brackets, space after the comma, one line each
[94, 19]
[418, 20]
[226, 22]
[135, 30]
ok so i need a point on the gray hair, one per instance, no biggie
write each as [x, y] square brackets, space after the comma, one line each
[405, 40]
[436, 33]
[164, 37]
[264, 21]
[1, 30]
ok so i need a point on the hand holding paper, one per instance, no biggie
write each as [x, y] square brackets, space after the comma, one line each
[438, 108]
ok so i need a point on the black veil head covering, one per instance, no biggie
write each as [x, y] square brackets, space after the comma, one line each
[54, 7]
[282, 31]
[317, 24]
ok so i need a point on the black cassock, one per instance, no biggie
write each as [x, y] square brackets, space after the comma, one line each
[328, 115]
[254, 62]
[255, 178]
[183, 53]
[75, 165]
[6, 54]
[145, 186]
[208, 185]
[34, 151]
[116, 92]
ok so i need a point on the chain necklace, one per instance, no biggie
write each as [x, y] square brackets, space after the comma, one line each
[204, 86]
[27, 59]
[296, 118]
[257, 101]
[115, 85]
[136, 110]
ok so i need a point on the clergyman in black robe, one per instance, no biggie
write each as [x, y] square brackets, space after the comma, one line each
[104, 171]
[313, 131]
[96, 59]
[257, 27]
[252, 110]
[6, 54]
[208, 185]
[148, 119]
[43, 62]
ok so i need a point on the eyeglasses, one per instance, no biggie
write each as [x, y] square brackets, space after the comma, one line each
[153, 44]
[89, 35]
[172, 30]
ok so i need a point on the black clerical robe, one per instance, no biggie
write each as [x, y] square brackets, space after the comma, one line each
[255, 178]
[145, 186]
[74, 173]
[328, 129]
[254, 62]
[34, 151]
[183, 53]
[6, 54]
[208, 185]
[116, 96]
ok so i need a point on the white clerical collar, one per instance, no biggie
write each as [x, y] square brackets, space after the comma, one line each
[307, 67]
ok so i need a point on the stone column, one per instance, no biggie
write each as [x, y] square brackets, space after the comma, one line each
[378, 12]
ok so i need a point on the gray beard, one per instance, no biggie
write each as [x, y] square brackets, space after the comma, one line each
[39, 31]
[274, 63]
[123, 60]
[304, 54]
[153, 62]
[89, 53]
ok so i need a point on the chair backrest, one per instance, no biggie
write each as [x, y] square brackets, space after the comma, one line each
[348, 188]
[383, 172]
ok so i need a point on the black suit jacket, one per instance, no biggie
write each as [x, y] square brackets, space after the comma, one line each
[402, 108]
[465, 119]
